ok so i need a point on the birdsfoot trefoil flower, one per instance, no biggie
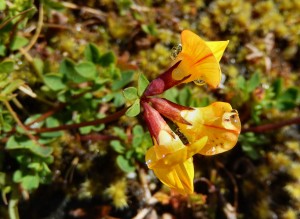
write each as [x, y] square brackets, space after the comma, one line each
[198, 61]
[218, 121]
[206, 130]
[169, 158]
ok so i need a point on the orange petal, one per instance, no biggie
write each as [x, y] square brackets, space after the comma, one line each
[198, 61]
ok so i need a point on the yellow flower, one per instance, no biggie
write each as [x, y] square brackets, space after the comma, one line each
[218, 121]
[172, 161]
[199, 60]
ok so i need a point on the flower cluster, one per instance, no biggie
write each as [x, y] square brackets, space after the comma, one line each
[209, 130]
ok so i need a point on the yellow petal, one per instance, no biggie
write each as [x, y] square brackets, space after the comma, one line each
[217, 48]
[159, 157]
[197, 60]
[179, 178]
[218, 122]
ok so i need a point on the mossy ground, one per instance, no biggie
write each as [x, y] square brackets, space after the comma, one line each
[259, 178]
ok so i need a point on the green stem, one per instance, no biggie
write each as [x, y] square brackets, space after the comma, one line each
[18, 121]
[38, 29]
[13, 208]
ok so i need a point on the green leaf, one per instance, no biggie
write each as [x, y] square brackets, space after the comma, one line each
[17, 176]
[54, 5]
[138, 135]
[142, 84]
[171, 94]
[184, 96]
[2, 50]
[130, 93]
[35, 166]
[30, 182]
[253, 82]
[91, 53]
[2, 179]
[106, 59]
[285, 105]
[54, 81]
[134, 109]
[50, 123]
[241, 82]
[117, 146]
[107, 97]
[124, 164]
[288, 99]
[12, 87]
[85, 130]
[250, 151]
[138, 130]
[14, 143]
[67, 68]
[86, 69]
[7, 66]
[32, 118]
[120, 133]
[2, 5]
[40, 150]
[289, 95]
[277, 87]
[119, 99]
[18, 42]
[150, 29]
[125, 79]
[39, 65]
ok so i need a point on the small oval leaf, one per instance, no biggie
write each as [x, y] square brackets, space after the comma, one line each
[134, 110]
[130, 93]
[86, 69]
[142, 84]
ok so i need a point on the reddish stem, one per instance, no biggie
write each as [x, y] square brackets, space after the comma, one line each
[163, 82]
[272, 126]
[107, 119]
[97, 137]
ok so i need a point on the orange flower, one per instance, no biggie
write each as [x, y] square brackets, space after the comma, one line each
[199, 59]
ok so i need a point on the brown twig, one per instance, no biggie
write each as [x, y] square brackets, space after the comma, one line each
[97, 137]
[47, 114]
[107, 119]
[272, 126]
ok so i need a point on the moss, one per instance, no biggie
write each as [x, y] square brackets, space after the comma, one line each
[289, 214]
[117, 192]
[294, 190]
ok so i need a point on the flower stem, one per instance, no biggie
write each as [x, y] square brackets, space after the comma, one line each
[272, 126]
